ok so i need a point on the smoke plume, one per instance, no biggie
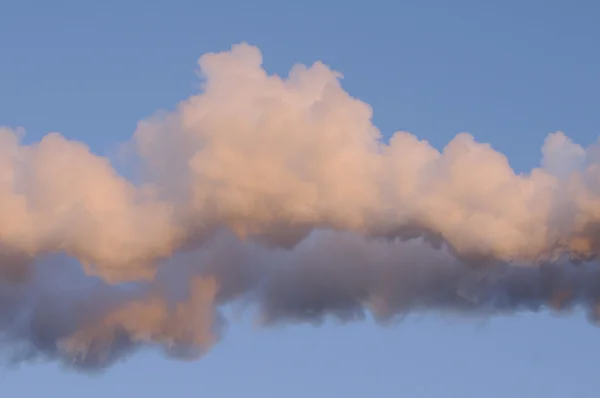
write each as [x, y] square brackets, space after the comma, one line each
[279, 195]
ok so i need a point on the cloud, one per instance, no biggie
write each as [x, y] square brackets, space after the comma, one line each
[279, 193]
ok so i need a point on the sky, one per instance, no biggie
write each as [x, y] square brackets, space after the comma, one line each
[507, 72]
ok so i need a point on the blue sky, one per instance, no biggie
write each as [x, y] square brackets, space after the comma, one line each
[508, 72]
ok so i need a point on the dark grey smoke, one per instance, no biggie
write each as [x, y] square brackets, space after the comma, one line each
[330, 275]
